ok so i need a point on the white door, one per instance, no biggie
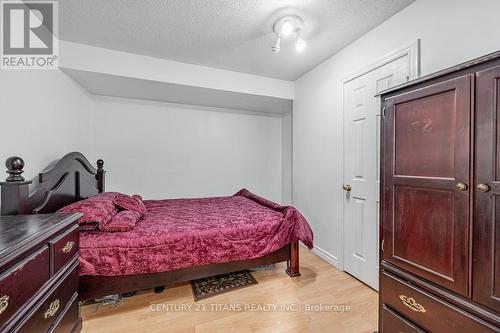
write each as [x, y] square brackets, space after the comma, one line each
[361, 166]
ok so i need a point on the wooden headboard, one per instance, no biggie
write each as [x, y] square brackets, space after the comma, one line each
[67, 180]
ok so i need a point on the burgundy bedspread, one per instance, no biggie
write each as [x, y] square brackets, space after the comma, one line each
[182, 233]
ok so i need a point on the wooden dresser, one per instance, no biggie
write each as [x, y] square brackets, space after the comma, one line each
[440, 202]
[39, 273]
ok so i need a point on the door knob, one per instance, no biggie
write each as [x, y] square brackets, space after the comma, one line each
[461, 186]
[483, 188]
[347, 187]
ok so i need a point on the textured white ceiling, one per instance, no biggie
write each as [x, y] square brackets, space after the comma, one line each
[229, 34]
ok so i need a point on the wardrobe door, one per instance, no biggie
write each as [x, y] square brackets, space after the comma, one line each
[426, 179]
[486, 244]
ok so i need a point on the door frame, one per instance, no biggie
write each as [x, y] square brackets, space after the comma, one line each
[412, 50]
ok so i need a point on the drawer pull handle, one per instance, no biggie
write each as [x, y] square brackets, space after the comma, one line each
[411, 303]
[54, 306]
[68, 247]
[4, 303]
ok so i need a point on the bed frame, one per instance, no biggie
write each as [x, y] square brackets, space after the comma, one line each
[73, 178]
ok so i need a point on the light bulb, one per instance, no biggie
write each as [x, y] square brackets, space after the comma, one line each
[287, 28]
[276, 46]
[300, 44]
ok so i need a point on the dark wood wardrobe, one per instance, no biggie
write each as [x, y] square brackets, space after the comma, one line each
[440, 202]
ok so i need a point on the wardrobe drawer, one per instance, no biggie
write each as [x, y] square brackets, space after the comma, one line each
[52, 306]
[65, 247]
[20, 282]
[394, 323]
[426, 310]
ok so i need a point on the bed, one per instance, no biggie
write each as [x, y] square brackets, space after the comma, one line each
[178, 240]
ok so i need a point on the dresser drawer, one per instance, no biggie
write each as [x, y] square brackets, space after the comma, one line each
[65, 247]
[427, 311]
[69, 318]
[394, 323]
[45, 314]
[21, 282]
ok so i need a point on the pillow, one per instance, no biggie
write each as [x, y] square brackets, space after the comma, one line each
[137, 196]
[133, 203]
[98, 209]
[123, 221]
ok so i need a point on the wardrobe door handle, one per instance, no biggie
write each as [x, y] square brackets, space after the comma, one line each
[483, 188]
[461, 186]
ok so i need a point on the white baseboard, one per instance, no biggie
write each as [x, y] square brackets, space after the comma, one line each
[329, 258]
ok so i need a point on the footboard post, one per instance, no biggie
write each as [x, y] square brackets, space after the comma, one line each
[292, 265]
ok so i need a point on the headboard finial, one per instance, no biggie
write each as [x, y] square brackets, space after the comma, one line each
[67, 180]
[15, 167]
[100, 175]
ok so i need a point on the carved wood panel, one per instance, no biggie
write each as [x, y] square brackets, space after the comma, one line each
[426, 154]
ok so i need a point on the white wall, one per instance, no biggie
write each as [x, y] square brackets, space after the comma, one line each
[40, 120]
[286, 158]
[451, 31]
[163, 150]
[156, 149]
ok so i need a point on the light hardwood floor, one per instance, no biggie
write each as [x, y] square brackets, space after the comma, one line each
[320, 283]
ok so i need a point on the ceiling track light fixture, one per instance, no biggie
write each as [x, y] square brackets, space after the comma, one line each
[277, 45]
[300, 44]
[288, 26]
